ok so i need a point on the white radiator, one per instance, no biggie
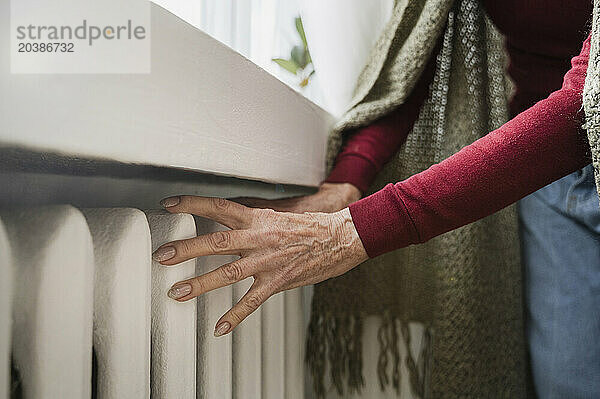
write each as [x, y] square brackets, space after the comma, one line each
[87, 299]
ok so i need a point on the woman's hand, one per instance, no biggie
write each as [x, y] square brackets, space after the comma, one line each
[279, 250]
[331, 197]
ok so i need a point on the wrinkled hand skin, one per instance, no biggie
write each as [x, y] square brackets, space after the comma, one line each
[279, 250]
[331, 197]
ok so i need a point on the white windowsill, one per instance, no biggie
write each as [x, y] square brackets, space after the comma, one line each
[203, 108]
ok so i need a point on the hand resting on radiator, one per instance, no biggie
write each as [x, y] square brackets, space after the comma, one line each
[279, 250]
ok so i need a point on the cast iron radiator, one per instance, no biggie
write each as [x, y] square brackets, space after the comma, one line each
[85, 313]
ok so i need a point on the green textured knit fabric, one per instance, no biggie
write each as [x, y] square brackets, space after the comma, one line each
[465, 286]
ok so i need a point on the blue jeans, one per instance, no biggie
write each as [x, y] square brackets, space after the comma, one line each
[560, 233]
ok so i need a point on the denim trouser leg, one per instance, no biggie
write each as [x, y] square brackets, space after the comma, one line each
[560, 232]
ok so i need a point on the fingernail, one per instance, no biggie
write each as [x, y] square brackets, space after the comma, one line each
[179, 291]
[164, 253]
[222, 328]
[169, 202]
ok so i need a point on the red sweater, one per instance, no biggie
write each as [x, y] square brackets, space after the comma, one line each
[538, 146]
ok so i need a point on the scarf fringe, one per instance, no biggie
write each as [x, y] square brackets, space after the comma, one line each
[335, 342]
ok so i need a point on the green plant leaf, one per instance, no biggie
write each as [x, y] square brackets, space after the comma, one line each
[298, 55]
[300, 29]
[288, 65]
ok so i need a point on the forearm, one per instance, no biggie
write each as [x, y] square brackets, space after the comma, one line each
[488, 175]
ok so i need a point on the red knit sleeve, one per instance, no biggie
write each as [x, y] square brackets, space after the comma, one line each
[537, 147]
[368, 149]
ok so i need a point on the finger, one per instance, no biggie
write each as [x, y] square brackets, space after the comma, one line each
[228, 242]
[220, 277]
[220, 210]
[244, 308]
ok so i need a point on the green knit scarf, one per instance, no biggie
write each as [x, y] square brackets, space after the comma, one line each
[464, 286]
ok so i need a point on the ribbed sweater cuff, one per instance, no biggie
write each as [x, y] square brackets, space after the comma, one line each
[383, 222]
